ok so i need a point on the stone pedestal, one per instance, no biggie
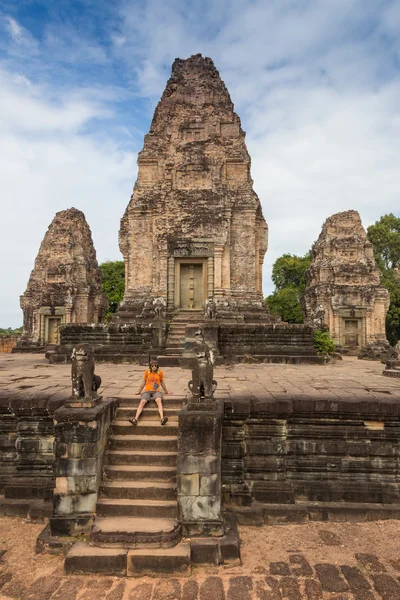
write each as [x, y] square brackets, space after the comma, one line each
[80, 443]
[199, 469]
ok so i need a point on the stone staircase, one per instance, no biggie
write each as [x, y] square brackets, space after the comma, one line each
[176, 335]
[136, 531]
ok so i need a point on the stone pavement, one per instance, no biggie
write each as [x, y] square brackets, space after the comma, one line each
[315, 561]
[347, 379]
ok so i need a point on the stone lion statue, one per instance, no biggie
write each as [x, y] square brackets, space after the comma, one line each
[84, 381]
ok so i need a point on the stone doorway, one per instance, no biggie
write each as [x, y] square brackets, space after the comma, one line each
[352, 334]
[191, 284]
[53, 334]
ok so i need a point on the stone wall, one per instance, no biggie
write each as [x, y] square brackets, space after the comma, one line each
[111, 342]
[305, 450]
[135, 342]
[26, 445]
[7, 343]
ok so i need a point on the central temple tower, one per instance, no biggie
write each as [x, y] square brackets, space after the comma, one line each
[194, 227]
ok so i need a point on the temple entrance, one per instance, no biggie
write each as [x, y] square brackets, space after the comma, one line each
[352, 333]
[191, 284]
[53, 335]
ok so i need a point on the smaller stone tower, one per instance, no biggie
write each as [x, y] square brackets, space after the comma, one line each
[65, 284]
[343, 284]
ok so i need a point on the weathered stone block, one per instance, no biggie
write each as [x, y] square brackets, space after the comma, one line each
[210, 485]
[200, 508]
[188, 485]
[205, 463]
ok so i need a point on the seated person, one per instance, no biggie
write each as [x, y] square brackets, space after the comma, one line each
[153, 379]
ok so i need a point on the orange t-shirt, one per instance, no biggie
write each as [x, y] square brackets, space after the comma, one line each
[153, 380]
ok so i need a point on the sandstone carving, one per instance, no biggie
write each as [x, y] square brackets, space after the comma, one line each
[84, 382]
[202, 385]
[210, 309]
[343, 285]
[193, 228]
[65, 284]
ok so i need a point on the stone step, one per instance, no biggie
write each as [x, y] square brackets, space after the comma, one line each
[135, 532]
[84, 559]
[150, 413]
[140, 473]
[141, 457]
[138, 490]
[168, 404]
[172, 360]
[174, 350]
[144, 442]
[124, 507]
[162, 562]
[144, 427]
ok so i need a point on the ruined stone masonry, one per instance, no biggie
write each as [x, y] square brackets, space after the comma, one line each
[343, 284]
[65, 284]
[193, 228]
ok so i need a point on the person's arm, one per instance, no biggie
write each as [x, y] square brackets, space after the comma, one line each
[164, 387]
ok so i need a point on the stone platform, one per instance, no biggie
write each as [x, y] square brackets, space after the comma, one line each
[32, 375]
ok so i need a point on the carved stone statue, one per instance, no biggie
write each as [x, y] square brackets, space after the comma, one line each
[316, 317]
[210, 309]
[160, 308]
[392, 361]
[84, 382]
[202, 384]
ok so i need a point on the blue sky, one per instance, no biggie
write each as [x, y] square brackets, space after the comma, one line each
[316, 84]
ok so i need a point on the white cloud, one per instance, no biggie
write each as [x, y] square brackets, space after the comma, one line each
[18, 40]
[48, 165]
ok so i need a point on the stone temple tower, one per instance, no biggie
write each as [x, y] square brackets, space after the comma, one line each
[343, 283]
[65, 284]
[193, 228]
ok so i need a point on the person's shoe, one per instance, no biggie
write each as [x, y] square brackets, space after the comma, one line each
[164, 420]
[133, 421]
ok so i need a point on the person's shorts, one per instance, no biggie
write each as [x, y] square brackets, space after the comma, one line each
[150, 395]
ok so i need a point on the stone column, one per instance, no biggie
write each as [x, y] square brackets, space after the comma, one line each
[199, 468]
[80, 443]
[210, 277]
[171, 283]
[218, 270]
[163, 275]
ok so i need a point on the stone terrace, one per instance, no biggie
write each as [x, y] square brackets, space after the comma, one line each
[31, 375]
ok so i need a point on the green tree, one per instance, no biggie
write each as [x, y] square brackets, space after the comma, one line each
[285, 303]
[288, 275]
[289, 271]
[113, 284]
[385, 238]
[4, 332]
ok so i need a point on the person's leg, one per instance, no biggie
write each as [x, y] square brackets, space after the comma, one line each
[160, 409]
[144, 400]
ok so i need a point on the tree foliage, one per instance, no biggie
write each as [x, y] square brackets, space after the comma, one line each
[385, 238]
[289, 271]
[4, 332]
[323, 342]
[113, 283]
[285, 303]
[288, 275]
